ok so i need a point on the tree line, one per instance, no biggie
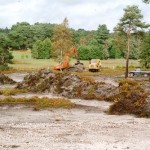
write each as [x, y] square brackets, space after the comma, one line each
[129, 39]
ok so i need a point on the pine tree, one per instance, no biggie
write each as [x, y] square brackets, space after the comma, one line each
[102, 36]
[5, 55]
[130, 23]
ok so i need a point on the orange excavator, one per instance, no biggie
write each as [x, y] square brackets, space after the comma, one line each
[64, 65]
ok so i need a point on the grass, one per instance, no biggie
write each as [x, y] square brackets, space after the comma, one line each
[38, 103]
[8, 92]
[24, 62]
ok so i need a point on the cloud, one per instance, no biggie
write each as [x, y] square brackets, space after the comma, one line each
[87, 14]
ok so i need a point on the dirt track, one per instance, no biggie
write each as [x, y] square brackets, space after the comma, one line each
[83, 128]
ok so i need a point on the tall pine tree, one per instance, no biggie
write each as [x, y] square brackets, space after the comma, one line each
[102, 36]
[130, 23]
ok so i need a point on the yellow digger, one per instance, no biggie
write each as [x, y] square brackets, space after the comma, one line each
[95, 65]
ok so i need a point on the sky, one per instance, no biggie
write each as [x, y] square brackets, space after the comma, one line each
[81, 14]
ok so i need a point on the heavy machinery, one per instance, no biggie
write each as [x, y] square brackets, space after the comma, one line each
[95, 65]
[65, 65]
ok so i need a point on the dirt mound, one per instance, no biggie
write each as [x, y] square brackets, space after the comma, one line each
[5, 79]
[129, 97]
[132, 99]
[68, 85]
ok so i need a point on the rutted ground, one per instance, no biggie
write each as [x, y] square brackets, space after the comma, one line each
[86, 127]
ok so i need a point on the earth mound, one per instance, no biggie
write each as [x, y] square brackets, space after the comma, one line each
[67, 84]
[5, 80]
[129, 97]
[132, 99]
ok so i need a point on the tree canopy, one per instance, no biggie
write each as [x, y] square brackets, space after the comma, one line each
[146, 1]
[62, 39]
[145, 53]
[5, 55]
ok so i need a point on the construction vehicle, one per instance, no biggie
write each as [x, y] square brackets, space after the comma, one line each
[65, 65]
[95, 65]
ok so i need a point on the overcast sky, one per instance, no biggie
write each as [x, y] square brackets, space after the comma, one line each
[85, 14]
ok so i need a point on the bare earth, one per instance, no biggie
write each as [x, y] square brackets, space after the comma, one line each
[83, 128]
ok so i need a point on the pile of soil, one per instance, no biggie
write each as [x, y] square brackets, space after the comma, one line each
[5, 80]
[129, 97]
[66, 84]
[132, 99]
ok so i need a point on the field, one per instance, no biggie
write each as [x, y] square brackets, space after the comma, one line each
[24, 62]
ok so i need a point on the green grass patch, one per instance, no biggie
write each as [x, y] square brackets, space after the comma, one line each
[23, 61]
[38, 103]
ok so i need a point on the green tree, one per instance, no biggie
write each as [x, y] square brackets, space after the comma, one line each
[5, 55]
[21, 36]
[118, 45]
[129, 23]
[102, 35]
[62, 39]
[42, 31]
[145, 53]
[92, 50]
[42, 49]
[82, 37]
[146, 1]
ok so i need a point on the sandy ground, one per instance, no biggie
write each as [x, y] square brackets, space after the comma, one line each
[83, 128]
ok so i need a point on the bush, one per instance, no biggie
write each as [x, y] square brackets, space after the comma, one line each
[42, 49]
[90, 52]
[4, 67]
[130, 100]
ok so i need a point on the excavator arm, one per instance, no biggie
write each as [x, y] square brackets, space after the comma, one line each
[65, 62]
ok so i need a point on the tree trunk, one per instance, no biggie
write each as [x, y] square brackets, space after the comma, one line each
[128, 53]
[61, 51]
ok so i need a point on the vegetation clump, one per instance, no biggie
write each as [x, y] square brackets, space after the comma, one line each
[132, 99]
[8, 92]
[38, 103]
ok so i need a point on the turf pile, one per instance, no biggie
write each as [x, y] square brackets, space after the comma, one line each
[68, 85]
[132, 99]
[128, 98]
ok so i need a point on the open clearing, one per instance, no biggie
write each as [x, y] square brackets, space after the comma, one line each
[23, 61]
[55, 129]
[86, 127]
